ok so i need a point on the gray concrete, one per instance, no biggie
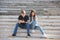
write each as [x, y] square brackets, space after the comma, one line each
[51, 28]
[47, 7]
[50, 21]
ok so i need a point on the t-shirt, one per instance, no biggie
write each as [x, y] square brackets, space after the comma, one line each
[26, 18]
[32, 18]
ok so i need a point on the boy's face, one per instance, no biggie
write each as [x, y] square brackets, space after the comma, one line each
[24, 13]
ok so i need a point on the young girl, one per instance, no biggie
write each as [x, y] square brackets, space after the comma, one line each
[34, 23]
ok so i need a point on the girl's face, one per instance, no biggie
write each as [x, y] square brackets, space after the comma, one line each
[33, 13]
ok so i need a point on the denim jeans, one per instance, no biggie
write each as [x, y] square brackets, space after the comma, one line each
[20, 25]
[33, 25]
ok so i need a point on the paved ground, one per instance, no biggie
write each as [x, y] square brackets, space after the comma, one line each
[24, 38]
[52, 28]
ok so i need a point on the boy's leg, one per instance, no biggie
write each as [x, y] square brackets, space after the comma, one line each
[28, 29]
[15, 30]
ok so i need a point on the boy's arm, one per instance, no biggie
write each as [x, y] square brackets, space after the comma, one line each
[27, 21]
[20, 21]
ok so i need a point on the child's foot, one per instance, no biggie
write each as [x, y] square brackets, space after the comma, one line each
[44, 35]
[28, 35]
[13, 35]
[33, 30]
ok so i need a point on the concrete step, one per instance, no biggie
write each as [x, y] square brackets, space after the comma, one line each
[40, 20]
[37, 36]
[9, 18]
[29, 8]
[21, 32]
[26, 6]
[29, 0]
[2, 7]
[16, 1]
[40, 25]
[12, 26]
[16, 16]
[7, 23]
[24, 31]
[24, 34]
[47, 29]
[44, 27]
[37, 32]
[29, 4]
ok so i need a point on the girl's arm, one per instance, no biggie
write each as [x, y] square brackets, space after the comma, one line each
[36, 21]
[36, 18]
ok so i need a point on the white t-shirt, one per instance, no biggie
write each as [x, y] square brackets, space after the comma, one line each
[36, 21]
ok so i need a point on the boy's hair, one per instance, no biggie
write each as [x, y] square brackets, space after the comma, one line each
[22, 11]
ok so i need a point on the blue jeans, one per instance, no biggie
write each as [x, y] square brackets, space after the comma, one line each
[33, 25]
[20, 25]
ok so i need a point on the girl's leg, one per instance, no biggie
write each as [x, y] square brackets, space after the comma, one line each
[33, 25]
[41, 30]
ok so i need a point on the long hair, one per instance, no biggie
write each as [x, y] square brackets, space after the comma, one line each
[31, 15]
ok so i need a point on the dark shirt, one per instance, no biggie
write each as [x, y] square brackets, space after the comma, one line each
[26, 18]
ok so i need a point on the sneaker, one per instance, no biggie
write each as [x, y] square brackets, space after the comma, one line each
[13, 35]
[44, 35]
[33, 30]
[28, 35]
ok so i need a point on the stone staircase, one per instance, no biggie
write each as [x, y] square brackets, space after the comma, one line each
[50, 24]
[43, 7]
[48, 12]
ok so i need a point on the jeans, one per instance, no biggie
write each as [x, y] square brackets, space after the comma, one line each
[33, 25]
[20, 25]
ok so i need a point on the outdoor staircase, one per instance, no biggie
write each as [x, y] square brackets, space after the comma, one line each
[50, 24]
[48, 12]
[42, 7]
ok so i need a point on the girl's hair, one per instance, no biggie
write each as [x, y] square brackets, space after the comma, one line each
[31, 13]
[34, 17]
